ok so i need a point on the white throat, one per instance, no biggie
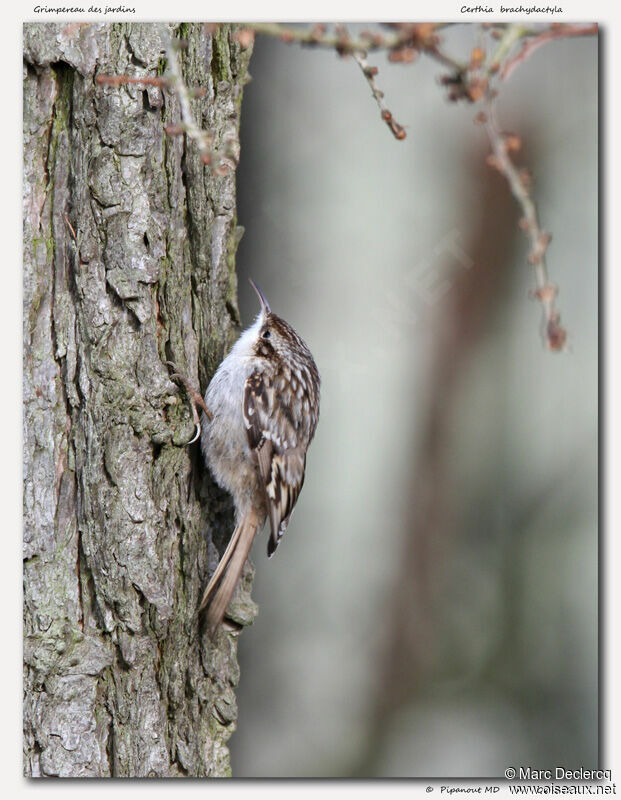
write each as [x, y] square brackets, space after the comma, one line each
[244, 346]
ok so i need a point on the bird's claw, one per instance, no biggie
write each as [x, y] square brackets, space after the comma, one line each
[197, 434]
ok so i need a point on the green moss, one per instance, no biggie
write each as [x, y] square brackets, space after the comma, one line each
[60, 122]
[231, 255]
[62, 107]
[50, 248]
[221, 57]
[49, 244]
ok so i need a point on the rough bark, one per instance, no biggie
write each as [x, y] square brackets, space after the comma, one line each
[129, 246]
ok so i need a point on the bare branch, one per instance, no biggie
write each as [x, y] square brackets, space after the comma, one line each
[553, 32]
[124, 80]
[402, 44]
[369, 73]
[203, 139]
[340, 40]
[519, 180]
[144, 80]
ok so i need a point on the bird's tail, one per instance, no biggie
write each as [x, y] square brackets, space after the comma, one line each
[223, 582]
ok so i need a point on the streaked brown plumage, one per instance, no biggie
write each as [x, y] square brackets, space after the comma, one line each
[264, 406]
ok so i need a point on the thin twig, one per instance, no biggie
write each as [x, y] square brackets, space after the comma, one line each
[123, 80]
[144, 80]
[553, 32]
[203, 139]
[71, 228]
[319, 36]
[443, 58]
[420, 37]
[369, 73]
[502, 144]
[403, 44]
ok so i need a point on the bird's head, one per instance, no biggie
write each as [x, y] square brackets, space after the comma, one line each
[275, 338]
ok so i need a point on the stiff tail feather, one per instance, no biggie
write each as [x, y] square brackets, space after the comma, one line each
[223, 582]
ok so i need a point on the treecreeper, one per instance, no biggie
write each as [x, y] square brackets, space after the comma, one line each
[260, 413]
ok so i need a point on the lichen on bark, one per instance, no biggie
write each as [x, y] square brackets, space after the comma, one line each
[129, 245]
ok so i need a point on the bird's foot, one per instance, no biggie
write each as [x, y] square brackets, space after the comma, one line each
[196, 399]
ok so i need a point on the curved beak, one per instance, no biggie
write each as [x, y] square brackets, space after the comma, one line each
[265, 306]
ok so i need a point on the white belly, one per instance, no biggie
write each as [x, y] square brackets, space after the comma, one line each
[223, 439]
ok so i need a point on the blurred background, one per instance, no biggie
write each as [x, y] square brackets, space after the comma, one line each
[432, 610]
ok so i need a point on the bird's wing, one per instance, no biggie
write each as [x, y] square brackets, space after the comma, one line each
[281, 457]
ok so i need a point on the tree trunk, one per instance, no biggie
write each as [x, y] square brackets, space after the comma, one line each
[129, 247]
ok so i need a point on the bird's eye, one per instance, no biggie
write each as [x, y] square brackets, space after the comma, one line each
[266, 334]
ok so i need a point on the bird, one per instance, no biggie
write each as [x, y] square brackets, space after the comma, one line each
[260, 413]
